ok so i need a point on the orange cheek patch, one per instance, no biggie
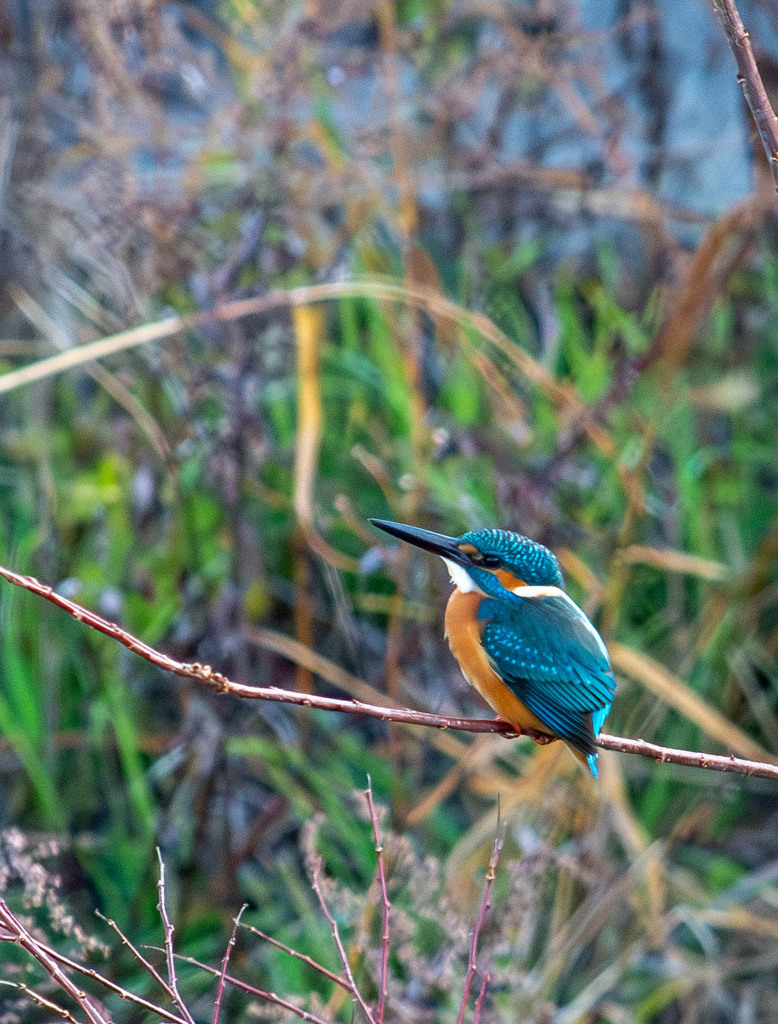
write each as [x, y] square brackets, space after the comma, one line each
[508, 580]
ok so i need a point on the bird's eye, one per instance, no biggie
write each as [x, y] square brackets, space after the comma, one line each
[490, 561]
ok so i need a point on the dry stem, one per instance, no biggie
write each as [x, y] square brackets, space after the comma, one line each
[385, 905]
[479, 1003]
[123, 993]
[316, 886]
[750, 80]
[225, 962]
[486, 902]
[244, 986]
[147, 965]
[331, 975]
[171, 965]
[12, 930]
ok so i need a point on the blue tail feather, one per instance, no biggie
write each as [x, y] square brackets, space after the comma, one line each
[598, 717]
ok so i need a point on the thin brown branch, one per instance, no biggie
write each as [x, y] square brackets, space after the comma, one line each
[479, 1003]
[36, 997]
[486, 902]
[690, 758]
[331, 975]
[168, 926]
[251, 990]
[12, 930]
[123, 993]
[221, 684]
[316, 885]
[225, 962]
[385, 905]
[750, 80]
[146, 964]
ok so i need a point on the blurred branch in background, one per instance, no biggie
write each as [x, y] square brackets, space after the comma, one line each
[218, 682]
[388, 291]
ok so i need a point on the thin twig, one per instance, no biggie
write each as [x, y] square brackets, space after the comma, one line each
[316, 886]
[221, 684]
[244, 986]
[22, 937]
[691, 758]
[385, 905]
[750, 80]
[146, 964]
[486, 902]
[168, 926]
[36, 997]
[479, 1003]
[123, 993]
[301, 956]
[225, 962]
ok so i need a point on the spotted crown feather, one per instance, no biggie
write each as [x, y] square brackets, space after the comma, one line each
[530, 561]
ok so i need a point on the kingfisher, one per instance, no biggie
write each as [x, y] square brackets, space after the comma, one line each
[519, 638]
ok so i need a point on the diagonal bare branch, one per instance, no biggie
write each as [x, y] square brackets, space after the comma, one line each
[225, 962]
[486, 902]
[221, 684]
[750, 80]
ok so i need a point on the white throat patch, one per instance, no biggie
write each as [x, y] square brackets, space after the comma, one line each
[461, 578]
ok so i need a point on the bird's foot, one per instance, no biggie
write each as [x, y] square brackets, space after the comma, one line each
[541, 738]
[511, 729]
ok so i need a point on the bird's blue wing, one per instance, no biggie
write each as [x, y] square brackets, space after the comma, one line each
[548, 653]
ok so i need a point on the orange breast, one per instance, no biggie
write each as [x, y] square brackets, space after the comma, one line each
[463, 631]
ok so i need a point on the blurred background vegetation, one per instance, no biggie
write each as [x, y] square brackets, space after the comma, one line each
[581, 347]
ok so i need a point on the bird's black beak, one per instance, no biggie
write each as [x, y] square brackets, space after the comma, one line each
[437, 543]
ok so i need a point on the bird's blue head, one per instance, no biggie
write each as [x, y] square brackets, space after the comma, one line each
[491, 561]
